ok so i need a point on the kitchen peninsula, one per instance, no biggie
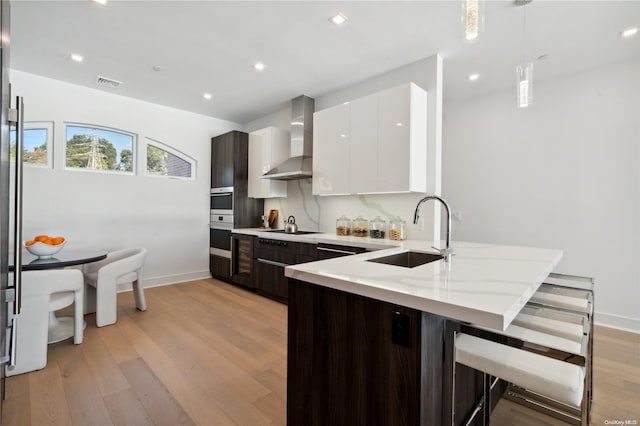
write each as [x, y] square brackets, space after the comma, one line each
[370, 343]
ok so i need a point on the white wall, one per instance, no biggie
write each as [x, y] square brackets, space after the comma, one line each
[314, 212]
[561, 174]
[104, 210]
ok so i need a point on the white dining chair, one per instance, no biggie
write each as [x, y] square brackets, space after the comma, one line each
[42, 293]
[102, 279]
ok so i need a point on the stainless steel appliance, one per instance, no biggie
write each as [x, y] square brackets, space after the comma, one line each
[221, 221]
[10, 207]
[222, 200]
[300, 164]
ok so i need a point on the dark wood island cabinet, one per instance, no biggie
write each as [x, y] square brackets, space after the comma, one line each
[353, 360]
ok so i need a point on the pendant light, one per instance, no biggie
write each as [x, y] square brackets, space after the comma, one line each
[524, 71]
[472, 19]
[524, 89]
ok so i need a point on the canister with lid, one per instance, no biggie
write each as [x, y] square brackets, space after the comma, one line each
[343, 225]
[397, 229]
[360, 227]
[377, 228]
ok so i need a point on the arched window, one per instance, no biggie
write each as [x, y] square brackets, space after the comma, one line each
[163, 160]
[99, 149]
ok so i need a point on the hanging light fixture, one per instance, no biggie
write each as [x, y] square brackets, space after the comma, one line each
[472, 19]
[524, 71]
[524, 89]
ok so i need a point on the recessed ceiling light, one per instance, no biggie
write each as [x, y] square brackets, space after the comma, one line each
[259, 66]
[338, 19]
[629, 32]
[473, 77]
[76, 57]
[102, 2]
[207, 96]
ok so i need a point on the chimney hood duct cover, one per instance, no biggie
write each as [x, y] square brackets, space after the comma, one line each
[299, 166]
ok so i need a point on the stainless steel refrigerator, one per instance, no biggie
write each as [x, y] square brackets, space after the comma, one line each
[10, 207]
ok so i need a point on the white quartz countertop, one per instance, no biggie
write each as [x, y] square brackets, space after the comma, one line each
[483, 284]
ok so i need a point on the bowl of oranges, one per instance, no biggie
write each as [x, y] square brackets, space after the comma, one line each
[44, 246]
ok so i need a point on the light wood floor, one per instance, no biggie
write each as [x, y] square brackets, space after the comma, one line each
[207, 353]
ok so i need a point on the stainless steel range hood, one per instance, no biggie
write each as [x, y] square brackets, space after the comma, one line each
[299, 165]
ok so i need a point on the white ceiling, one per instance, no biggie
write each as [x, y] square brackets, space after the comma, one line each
[210, 46]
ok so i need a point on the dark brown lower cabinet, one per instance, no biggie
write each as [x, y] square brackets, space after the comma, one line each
[271, 256]
[353, 360]
[270, 280]
[220, 267]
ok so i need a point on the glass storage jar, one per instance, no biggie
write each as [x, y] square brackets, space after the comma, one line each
[377, 228]
[343, 225]
[397, 229]
[360, 227]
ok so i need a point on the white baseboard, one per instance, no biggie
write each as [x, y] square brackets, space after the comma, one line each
[168, 280]
[616, 321]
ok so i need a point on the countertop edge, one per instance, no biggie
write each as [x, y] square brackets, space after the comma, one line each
[323, 238]
[485, 318]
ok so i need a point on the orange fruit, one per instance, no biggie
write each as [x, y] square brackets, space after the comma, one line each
[29, 243]
[57, 240]
[48, 242]
[41, 238]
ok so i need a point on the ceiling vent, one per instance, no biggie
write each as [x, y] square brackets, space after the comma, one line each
[109, 82]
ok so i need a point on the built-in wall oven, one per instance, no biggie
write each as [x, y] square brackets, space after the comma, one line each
[221, 221]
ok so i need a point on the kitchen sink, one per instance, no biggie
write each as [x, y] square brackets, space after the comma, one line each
[408, 259]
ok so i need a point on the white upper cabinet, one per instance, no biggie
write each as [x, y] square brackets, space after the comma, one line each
[374, 144]
[331, 138]
[267, 148]
[363, 169]
[402, 139]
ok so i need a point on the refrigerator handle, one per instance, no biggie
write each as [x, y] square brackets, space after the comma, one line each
[16, 118]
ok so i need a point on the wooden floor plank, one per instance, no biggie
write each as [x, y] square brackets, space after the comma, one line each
[117, 345]
[192, 399]
[274, 407]
[83, 396]
[155, 398]
[104, 369]
[126, 409]
[16, 408]
[191, 353]
[48, 398]
[209, 353]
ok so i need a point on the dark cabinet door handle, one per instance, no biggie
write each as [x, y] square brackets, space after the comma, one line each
[273, 263]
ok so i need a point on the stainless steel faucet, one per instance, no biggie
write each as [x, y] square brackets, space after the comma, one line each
[446, 252]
